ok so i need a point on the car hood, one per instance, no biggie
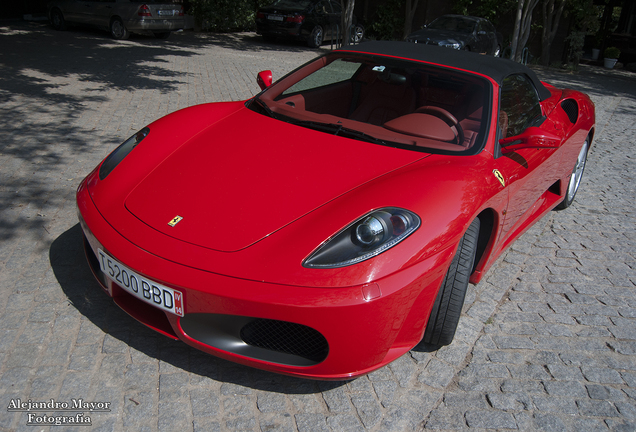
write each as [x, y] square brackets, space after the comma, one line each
[247, 176]
[438, 35]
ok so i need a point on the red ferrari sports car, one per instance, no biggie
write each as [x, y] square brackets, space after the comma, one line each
[331, 223]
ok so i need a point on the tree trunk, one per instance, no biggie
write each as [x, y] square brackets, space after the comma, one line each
[551, 16]
[523, 22]
[347, 19]
[409, 11]
[515, 32]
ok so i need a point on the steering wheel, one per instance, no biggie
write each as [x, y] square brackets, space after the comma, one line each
[448, 118]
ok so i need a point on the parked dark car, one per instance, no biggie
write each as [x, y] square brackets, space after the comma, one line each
[119, 17]
[312, 21]
[461, 33]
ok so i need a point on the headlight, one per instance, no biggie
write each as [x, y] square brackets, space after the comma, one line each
[369, 236]
[450, 44]
[113, 159]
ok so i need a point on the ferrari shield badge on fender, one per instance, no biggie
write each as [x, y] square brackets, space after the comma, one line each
[175, 220]
[500, 177]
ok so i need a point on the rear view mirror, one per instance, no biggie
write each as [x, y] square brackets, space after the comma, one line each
[533, 137]
[264, 79]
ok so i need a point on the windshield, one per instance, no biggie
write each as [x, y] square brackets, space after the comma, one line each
[384, 101]
[455, 24]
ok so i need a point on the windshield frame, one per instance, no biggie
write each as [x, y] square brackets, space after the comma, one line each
[279, 106]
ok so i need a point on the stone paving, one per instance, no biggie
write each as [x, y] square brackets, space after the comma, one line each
[546, 342]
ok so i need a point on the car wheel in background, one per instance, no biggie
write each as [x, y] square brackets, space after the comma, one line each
[447, 308]
[357, 34]
[118, 29]
[575, 177]
[316, 37]
[57, 19]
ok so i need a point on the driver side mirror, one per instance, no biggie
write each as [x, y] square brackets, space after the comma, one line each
[533, 137]
[264, 79]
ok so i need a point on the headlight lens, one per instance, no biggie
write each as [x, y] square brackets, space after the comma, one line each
[113, 159]
[451, 44]
[369, 236]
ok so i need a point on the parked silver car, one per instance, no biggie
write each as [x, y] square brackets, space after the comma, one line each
[120, 17]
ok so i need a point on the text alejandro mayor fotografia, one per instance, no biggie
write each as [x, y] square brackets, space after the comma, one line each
[37, 411]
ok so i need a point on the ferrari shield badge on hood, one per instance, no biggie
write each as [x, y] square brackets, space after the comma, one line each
[175, 220]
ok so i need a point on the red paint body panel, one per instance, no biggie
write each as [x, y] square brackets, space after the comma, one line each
[225, 210]
[258, 195]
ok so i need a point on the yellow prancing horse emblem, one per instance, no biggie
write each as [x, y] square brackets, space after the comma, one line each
[175, 221]
[500, 177]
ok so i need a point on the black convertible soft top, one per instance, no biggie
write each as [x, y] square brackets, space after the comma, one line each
[493, 67]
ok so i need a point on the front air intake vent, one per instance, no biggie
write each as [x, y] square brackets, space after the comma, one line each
[286, 337]
[571, 108]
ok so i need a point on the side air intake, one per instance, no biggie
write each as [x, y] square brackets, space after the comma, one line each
[571, 108]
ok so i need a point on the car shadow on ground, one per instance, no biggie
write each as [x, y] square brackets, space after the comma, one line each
[41, 71]
[85, 294]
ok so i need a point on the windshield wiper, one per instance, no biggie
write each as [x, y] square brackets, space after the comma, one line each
[265, 108]
[340, 130]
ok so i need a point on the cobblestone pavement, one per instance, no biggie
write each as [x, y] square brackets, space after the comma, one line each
[546, 342]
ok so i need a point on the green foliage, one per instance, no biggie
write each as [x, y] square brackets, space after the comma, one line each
[585, 17]
[492, 10]
[575, 42]
[585, 20]
[612, 53]
[389, 21]
[226, 15]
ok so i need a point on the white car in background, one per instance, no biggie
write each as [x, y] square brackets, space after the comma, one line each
[119, 17]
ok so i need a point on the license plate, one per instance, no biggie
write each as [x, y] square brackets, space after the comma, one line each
[275, 17]
[168, 12]
[162, 297]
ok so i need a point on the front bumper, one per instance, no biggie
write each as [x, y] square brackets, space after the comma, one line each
[323, 333]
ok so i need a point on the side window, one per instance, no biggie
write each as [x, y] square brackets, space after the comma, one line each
[520, 107]
[323, 7]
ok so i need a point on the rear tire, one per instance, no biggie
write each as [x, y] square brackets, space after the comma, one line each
[447, 308]
[357, 35]
[316, 37]
[118, 30]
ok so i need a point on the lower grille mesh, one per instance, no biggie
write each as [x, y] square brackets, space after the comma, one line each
[286, 337]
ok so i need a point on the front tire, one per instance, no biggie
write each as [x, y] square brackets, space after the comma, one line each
[316, 37]
[575, 177]
[447, 308]
[118, 30]
[57, 19]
